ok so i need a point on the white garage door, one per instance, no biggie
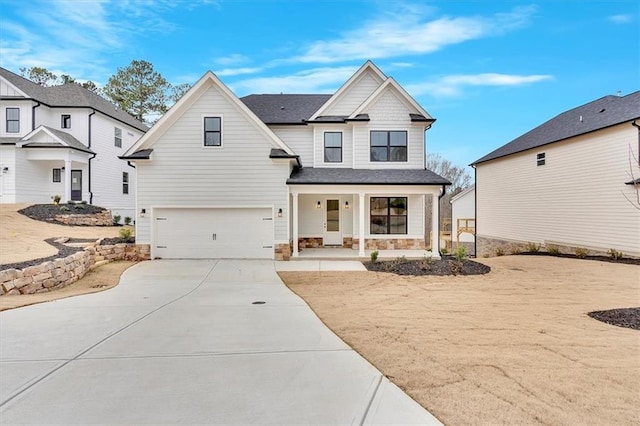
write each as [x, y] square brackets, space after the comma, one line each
[220, 233]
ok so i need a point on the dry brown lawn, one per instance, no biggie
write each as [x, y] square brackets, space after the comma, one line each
[511, 347]
[98, 279]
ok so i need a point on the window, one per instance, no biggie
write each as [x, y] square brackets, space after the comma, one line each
[117, 137]
[388, 146]
[541, 159]
[212, 131]
[13, 120]
[388, 215]
[65, 121]
[57, 175]
[333, 147]
[125, 182]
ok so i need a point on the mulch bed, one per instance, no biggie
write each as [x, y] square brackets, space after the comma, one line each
[445, 266]
[117, 240]
[63, 251]
[628, 317]
[48, 212]
[609, 259]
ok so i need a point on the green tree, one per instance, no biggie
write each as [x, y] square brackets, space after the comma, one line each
[178, 92]
[139, 90]
[39, 75]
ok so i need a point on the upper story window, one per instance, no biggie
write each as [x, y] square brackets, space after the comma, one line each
[388, 215]
[125, 182]
[13, 120]
[333, 147]
[117, 137]
[57, 175]
[388, 145]
[540, 159]
[212, 131]
[65, 121]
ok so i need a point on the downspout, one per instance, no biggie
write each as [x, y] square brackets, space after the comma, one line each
[475, 210]
[33, 115]
[93, 111]
[444, 191]
[425, 144]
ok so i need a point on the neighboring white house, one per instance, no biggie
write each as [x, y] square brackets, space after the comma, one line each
[64, 140]
[463, 219]
[570, 182]
[220, 176]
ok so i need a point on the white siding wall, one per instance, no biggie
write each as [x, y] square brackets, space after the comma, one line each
[351, 99]
[7, 89]
[347, 144]
[299, 139]
[8, 180]
[25, 117]
[463, 208]
[311, 218]
[182, 172]
[576, 198]
[52, 117]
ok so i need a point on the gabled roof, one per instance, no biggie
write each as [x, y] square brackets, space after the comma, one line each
[208, 80]
[344, 176]
[284, 109]
[61, 140]
[599, 114]
[462, 193]
[143, 154]
[69, 95]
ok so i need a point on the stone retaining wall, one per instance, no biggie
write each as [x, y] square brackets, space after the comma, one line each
[61, 272]
[98, 219]
[490, 247]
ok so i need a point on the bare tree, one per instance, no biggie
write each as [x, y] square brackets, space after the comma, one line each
[634, 174]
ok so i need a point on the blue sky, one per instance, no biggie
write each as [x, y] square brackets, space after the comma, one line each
[487, 70]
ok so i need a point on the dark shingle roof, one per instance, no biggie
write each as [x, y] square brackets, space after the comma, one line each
[596, 115]
[69, 140]
[143, 154]
[9, 141]
[335, 176]
[284, 109]
[70, 95]
[280, 153]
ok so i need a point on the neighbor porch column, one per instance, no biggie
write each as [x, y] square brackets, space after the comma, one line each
[361, 210]
[67, 180]
[295, 224]
[435, 228]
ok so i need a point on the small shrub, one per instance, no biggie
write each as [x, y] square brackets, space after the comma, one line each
[78, 207]
[581, 252]
[460, 253]
[56, 199]
[83, 202]
[444, 251]
[533, 247]
[127, 220]
[515, 250]
[125, 233]
[116, 219]
[499, 251]
[64, 209]
[374, 256]
[71, 202]
[553, 250]
[615, 254]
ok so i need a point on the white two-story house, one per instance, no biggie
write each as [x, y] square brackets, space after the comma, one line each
[268, 176]
[64, 140]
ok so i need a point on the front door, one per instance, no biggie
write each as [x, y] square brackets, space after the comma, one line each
[76, 185]
[332, 228]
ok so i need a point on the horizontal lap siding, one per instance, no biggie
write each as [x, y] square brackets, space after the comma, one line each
[183, 173]
[299, 139]
[462, 208]
[576, 198]
[359, 91]
[347, 145]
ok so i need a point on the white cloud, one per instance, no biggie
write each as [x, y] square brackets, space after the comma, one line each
[317, 80]
[232, 60]
[621, 18]
[236, 71]
[453, 85]
[399, 34]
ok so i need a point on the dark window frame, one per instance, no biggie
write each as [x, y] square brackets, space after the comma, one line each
[125, 182]
[333, 148]
[117, 139]
[388, 216]
[13, 120]
[57, 175]
[65, 121]
[541, 159]
[206, 132]
[390, 148]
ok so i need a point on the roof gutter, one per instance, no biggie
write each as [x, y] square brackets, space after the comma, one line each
[93, 111]
[33, 115]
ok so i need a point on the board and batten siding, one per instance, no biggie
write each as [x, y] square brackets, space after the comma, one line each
[355, 95]
[184, 173]
[299, 139]
[577, 198]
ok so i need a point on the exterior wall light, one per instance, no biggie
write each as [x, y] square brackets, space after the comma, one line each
[5, 170]
[346, 205]
[318, 205]
[279, 212]
[143, 212]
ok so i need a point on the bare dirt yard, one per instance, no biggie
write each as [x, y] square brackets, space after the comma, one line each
[514, 346]
[98, 279]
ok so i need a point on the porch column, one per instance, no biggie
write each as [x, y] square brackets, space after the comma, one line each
[295, 224]
[435, 229]
[361, 209]
[67, 180]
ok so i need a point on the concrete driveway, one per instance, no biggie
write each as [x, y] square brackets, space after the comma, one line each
[183, 342]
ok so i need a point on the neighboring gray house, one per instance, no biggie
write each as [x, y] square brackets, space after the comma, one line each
[570, 182]
[64, 140]
[268, 176]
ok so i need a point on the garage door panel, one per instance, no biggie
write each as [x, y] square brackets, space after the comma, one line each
[213, 233]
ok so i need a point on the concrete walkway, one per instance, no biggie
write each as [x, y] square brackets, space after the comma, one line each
[186, 342]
